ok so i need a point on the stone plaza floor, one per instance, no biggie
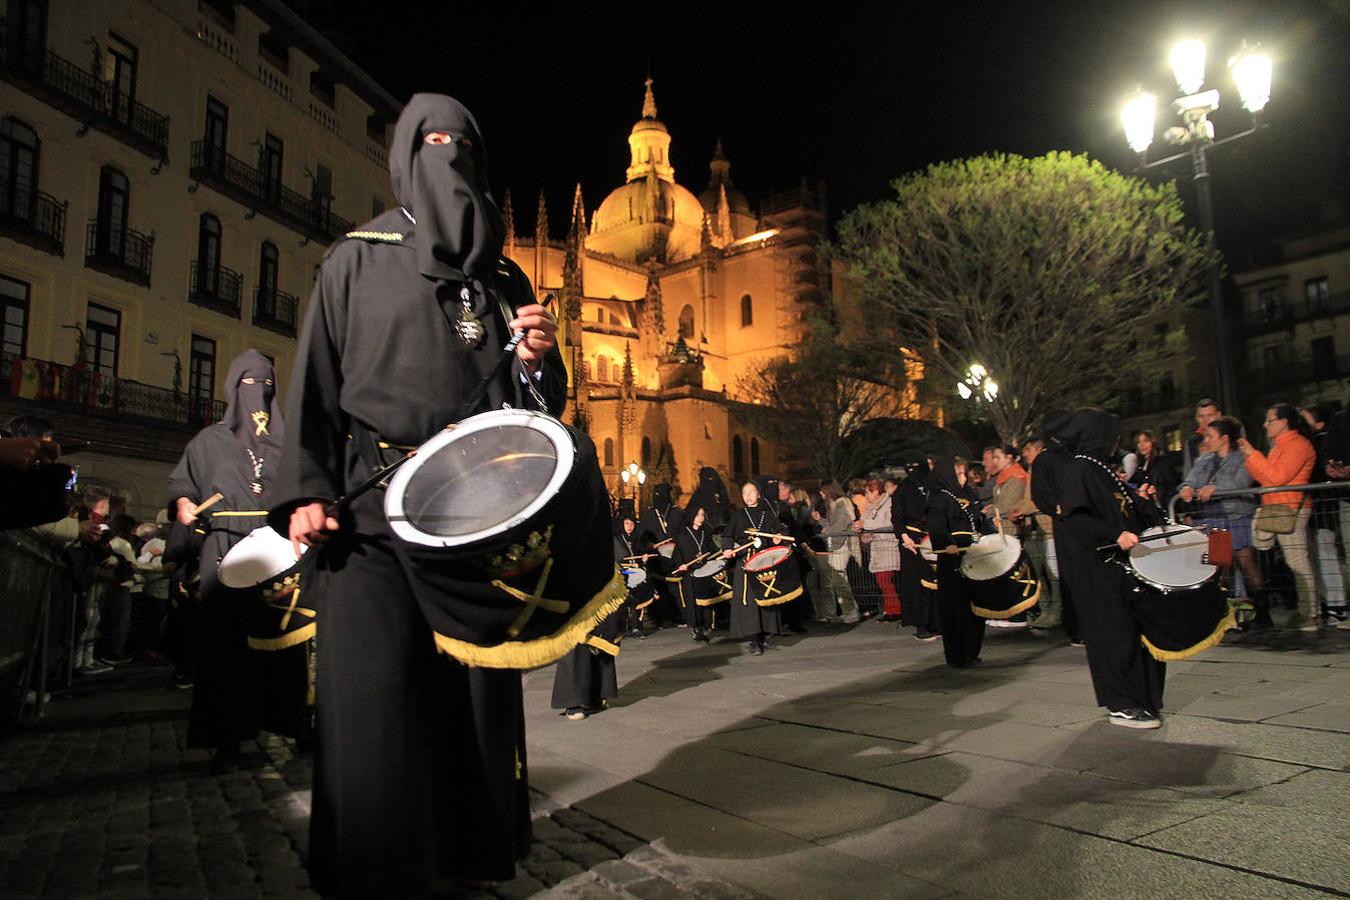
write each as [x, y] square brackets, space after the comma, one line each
[848, 763]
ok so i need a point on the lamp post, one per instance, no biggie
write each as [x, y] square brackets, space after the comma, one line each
[977, 384]
[633, 476]
[1252, 75]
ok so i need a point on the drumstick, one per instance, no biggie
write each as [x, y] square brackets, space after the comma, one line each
[207, 504]
[1151, 537]
[767, 534]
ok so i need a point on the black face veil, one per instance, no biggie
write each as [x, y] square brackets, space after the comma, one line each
[253, 414]
[459, 228]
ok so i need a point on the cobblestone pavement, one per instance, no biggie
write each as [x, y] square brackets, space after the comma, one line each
[848, 763]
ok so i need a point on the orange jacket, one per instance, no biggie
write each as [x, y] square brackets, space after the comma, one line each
[1290, 462]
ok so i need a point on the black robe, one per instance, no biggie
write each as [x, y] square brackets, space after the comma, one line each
[1049, 469]
[749, 620]
[420, 771]
[660, 521]
[1095, 507]
[951, 520]
[691, 543]
[588, 676]
[918, 576]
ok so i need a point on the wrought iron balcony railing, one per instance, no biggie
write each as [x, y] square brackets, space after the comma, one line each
[256, 189]
[33, 217]
[85, 96]
[99, 394]
[276, 311]
[216, 287]
[121, 252]
[1286, 314]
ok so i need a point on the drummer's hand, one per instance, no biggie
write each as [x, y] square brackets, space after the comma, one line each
[1148, 491]
[1186, 493]
[1206, 492]
[540, 334]
[909, 543]
[185, 508]
[728, 554]
[311, 525]
[679, 569]
[952, 549]
[1127, 540]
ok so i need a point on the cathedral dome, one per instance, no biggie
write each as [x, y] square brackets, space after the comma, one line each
[650, 214]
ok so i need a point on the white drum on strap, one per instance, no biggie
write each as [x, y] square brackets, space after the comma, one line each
[1176, 563]
[262, 556]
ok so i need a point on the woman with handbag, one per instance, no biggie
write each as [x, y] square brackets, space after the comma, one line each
[1283, 516]
[1222, 468]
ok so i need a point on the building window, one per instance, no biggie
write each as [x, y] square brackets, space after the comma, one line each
[322, 195]
[737, 456]
[267, 270]
[1167, 391]
[1316, 293]
[601, 368]
[120, 73]
[747, 311]
[13, 319]
[272, 152]
[27, 35]
[18, 170]
[202, 375]
[1270, 304]
[609, 453]
[687, 323]
[1271, 357]
[102, 337]
[754, 462]
[1324, 357]
[215, 132]
[114, 202]
[208, 255]
[274, 50]
[646, 452]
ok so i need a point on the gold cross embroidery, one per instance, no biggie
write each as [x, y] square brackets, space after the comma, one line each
[531, 600]
[769, 579]
[1026, 579]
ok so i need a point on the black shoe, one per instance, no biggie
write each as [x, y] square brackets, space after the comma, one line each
[923, 634]
[637, 633]
[755, 648]
[575, 713]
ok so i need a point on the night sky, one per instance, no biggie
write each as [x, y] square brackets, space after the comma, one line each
[864, 92]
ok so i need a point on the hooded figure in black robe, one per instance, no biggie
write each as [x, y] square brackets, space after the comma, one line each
[1095, 508]
[587, 677]
[796, 613]
[711, 496]
[420, 771]
[694, 546]
[953, 522]
[751, 622]
[659, 523]
[918, 577]
[238, 458]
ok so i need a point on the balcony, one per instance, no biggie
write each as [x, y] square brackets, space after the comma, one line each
[32, 217]
[250, 186]
[1285, 375]
[79, 389]
[122, 253]
[218, 288]
[1283, 315]
[82, 95]
[276, 311]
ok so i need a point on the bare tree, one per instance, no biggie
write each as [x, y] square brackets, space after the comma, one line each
[815, 403]
[1040, 270]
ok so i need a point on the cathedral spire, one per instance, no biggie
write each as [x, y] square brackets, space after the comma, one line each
[541, 221]
[577, 230]
[724, 231]
[649, 101]
[649, 143]
[573, 283]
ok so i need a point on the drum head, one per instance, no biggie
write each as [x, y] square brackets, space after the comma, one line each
[260, 557]
[1176, 562]
[991, 556]
[710, 568]
[767, 558]
[666, 550]
[634, 577]
[480, 479]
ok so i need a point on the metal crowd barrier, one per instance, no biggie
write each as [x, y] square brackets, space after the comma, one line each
[37, 617]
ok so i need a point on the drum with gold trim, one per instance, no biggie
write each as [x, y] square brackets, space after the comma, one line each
[998, 577]
[772, 576]
[1178, 602]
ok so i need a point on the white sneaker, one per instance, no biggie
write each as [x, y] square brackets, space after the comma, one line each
[1134, 718]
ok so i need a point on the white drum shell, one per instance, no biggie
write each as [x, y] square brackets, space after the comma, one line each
[1172, 564]
[710, 568]
[991, 556]
[261, 556]
[634, 577]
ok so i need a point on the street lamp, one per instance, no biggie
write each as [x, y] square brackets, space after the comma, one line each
[977, 383]
[634, 477]
[1251, 71]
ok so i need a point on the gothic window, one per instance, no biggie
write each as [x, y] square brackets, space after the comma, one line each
[609, 452]
[737, 456]
[687, 322]
[646, 452]
[754, 456]
[601, 368]
[747, 311]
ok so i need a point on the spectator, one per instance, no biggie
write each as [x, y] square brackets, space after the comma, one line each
[1154, 476]
[152, 580]
[115, 603]
[1220, 468]
[978, 484]
[1206, 411]
[1038, 539]
[1325, 518]
[884, 561]
[837, 524]
[1290, 462]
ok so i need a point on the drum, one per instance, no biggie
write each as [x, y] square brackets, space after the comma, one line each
[926, 549]
[634, 577]
[772, 576]
[1178, 603]
[666, 550]
[998, 577]
[710, 583]
[1176, 563]
[262, 556]
[502, 526]
[709, 568]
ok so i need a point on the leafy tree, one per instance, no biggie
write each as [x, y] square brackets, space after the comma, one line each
[815, 403]
[1043, 270]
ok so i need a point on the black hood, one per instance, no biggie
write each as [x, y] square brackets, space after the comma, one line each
[1091, 431]
[915, 463]
[458, 229]
[253, 414]
[944, 476]
[661, 497]
[1053, 427]
[768, 488]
